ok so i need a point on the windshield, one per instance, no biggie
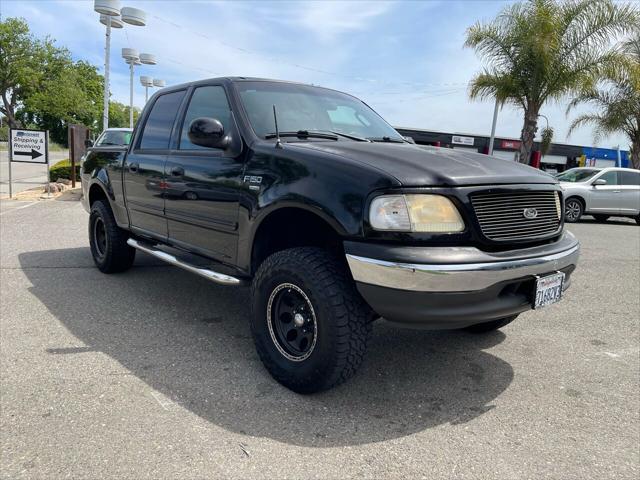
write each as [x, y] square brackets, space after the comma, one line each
[577, 175]
[114, 137]
[307, 108]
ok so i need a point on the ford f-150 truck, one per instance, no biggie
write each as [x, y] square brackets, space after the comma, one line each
[331, 216]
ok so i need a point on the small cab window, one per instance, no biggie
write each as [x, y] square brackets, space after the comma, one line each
[157, 129]
[630, 178]
[209, 102]
[610, 177]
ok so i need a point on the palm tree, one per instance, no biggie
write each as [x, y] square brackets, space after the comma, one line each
[617, 98]
[542, 50]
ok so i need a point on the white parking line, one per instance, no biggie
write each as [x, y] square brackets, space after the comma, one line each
[18, 208]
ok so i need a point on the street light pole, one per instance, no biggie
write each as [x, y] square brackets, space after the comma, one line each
[493, 127]
[546, 119]
[107, 51]
[132, 57]
[112, 16]
[131, 94]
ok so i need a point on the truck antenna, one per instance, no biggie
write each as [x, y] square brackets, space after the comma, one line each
[275, 119]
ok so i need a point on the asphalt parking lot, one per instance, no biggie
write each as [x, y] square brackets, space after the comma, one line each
[152, 374]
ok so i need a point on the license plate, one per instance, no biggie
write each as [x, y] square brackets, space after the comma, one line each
[548, 289]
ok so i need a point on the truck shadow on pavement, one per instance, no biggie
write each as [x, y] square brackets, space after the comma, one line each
[189, 340]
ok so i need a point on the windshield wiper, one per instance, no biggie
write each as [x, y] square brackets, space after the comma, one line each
[387, 139]
[303, 134]
[352, 137]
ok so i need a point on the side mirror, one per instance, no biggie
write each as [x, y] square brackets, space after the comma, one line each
[600, 181]
[208, 132]
[88, 143]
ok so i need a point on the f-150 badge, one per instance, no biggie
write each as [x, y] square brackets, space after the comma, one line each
[253, 181]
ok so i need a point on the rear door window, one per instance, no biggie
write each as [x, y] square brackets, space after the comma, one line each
[157, 129]
[630, 178]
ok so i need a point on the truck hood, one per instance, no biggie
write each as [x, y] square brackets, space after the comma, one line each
[416, 166]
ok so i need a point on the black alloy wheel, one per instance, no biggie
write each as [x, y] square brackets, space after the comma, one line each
[99, 238]
[292, 322]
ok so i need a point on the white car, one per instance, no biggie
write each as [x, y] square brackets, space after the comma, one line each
[601, 192]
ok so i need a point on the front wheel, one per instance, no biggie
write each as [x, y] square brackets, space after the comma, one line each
[309, 324]
[490, 326]
[573, 210]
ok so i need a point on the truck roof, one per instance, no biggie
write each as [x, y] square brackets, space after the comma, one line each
[229, 80]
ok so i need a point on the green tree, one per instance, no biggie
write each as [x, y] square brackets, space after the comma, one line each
[617, 100]
[119, 115]
[71, 93]
[23, 62]
[41, 86]
[544, 50]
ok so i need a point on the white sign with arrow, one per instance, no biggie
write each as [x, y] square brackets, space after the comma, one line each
[29, 146]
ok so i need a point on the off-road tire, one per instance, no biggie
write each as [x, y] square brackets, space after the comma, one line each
[601, 218]
[113, 255]
[490, 326]
[342, 318]
[575, 206]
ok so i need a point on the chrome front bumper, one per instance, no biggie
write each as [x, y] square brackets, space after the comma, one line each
[468, 269]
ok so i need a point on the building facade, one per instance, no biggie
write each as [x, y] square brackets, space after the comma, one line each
[560, 157]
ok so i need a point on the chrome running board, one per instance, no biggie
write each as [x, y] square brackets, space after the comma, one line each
[217, 277]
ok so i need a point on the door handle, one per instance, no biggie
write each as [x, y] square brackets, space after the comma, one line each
[133, 167]
[177, 171]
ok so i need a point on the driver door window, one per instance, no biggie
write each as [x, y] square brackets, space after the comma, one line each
[210, 102]
[610, 177]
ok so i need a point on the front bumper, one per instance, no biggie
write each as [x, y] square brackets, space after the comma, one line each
[452, 287]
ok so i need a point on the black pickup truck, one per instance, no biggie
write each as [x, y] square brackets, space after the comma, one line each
[330, 214]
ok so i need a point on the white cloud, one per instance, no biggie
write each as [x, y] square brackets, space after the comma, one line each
[328, 20]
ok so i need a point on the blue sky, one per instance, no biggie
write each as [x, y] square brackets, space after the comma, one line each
[404, 58]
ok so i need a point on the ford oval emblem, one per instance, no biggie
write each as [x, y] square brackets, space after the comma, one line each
[530, 213]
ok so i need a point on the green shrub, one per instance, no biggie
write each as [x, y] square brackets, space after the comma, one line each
[62, 169]
[4, 133]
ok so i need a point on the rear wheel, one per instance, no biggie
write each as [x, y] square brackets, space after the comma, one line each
[490, 326]
[108, 242]
[601, 218]
[309, 324]
[573, 210]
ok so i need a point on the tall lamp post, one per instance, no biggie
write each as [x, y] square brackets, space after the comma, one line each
[132, 57]
[112, 16]
[147, 82]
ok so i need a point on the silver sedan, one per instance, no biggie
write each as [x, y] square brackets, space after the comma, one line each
[601, 192]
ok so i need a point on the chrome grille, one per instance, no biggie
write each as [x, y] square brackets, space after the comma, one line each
[502, 215]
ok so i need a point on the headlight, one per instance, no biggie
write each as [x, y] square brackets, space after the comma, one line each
[415, 213]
